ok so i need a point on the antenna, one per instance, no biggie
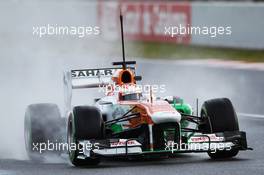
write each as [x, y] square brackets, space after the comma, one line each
[123, 44]
[124, 63]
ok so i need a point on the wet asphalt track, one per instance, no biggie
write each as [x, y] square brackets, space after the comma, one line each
[244, 87]
[250, 162]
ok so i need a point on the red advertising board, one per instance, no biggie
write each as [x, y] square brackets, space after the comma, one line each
[145, 21]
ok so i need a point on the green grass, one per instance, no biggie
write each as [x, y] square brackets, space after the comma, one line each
[172, 51]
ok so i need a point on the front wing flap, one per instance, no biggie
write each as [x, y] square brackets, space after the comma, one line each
[196, 143]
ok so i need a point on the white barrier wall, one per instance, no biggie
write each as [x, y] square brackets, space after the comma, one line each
[246, 20]
[146, 21]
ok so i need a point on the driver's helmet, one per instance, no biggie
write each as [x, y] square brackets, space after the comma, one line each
[130, 92]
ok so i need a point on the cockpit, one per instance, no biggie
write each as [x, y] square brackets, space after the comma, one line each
[132, 96]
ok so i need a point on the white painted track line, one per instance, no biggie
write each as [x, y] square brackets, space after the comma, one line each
[251, 115]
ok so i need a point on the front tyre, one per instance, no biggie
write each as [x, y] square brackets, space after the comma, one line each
[84, 123]
[219, 116]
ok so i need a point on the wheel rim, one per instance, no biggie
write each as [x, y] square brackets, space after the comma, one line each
[70, 139]
[27, 134]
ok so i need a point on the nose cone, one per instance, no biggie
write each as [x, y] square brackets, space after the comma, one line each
[165, 117]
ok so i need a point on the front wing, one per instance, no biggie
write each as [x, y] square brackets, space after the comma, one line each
[196, 143]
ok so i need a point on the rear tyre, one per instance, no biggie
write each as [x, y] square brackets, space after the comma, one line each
[84, 124]
[220, 116]
[42, 124]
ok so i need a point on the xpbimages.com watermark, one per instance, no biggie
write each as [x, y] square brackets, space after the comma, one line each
[128, 88]
[213, 147]
[58, 30]
[212, 31]
[64, 147]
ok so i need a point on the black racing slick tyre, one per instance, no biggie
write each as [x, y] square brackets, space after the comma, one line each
[85, 123]
[220, 116]
[43, 127]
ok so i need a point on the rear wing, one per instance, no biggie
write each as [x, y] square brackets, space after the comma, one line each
[90, 78]
[87, 78]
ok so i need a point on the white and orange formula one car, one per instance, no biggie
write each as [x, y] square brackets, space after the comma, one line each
[126, 123]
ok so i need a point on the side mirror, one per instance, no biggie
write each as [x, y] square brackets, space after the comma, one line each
[105, 103]
[138, 78]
